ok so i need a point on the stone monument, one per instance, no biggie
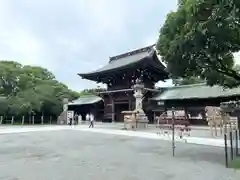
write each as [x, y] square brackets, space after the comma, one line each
[214, 119]
[62, 118]
[141, 118]
[129, 120]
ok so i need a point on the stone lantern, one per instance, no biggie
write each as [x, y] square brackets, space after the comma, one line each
[141, 118]
[65, 104]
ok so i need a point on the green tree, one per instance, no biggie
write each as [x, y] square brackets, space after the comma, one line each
[187, 81]
[3, 105]
[31, 90]
[199, 39]
[9, 77]
[92, 91]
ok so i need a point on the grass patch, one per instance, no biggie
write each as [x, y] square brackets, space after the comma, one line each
[235, 164]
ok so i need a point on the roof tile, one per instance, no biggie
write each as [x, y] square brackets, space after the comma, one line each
[196, 91]
[90, 99]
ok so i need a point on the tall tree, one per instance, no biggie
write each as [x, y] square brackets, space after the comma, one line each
[3, 105]
[187, 81]
[199, 39]
[31, 89]
[9, 77]
[92, 91]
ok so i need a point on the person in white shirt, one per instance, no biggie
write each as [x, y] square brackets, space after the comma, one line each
[79, 119]
[91, 121]
[87, 117]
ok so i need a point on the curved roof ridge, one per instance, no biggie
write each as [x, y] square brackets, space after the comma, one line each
[133, 52]
[88, 95]
[189, 85]
[196, 91]
[86, 99]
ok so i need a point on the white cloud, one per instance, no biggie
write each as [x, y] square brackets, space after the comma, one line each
[149, 41]
[237, 57]
[16, 42]
[69, 37]
[107, 15]
[167, 83]
[70, 44]
[23, 46]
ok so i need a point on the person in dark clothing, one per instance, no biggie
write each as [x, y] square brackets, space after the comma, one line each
[70, 121]
[76, 119]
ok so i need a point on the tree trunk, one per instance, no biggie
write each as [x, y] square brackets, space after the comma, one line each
[12, 120]
[1, 119]
[22, 120]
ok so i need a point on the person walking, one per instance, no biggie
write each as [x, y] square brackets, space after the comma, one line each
[79, 119]
[76, 119]
[91, 121]
[70, 121]
[87, 117]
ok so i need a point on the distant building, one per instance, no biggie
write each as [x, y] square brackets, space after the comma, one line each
[193, 99]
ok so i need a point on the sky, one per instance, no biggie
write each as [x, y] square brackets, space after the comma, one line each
[77, 36]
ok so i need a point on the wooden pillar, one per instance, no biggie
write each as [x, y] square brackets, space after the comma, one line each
[186, 114]
[1, 119]
[12, 120]
[129, 105]
[154, 117]
[95, 111]
[23, 120]
[41, 119]
[113, 110]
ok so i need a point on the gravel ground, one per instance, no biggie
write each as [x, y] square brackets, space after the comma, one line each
[74, 155]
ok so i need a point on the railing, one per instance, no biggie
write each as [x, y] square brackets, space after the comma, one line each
[181, 130]
[27, 120]
[232, 146]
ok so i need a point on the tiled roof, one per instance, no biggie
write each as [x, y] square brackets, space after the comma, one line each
[124, 60]
[90, 99]
[196, 91]
[114, 64]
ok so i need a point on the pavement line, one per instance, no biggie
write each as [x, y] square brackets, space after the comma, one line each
[25, 130]
[191, 140]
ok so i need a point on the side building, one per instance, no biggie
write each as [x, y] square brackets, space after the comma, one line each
[193, 99]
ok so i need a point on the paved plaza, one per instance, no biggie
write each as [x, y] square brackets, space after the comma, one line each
[65, 153]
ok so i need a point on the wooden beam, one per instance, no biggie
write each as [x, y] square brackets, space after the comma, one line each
[114, 91]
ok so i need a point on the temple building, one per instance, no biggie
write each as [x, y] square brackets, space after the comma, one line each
[120, 76]
[121, 73]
